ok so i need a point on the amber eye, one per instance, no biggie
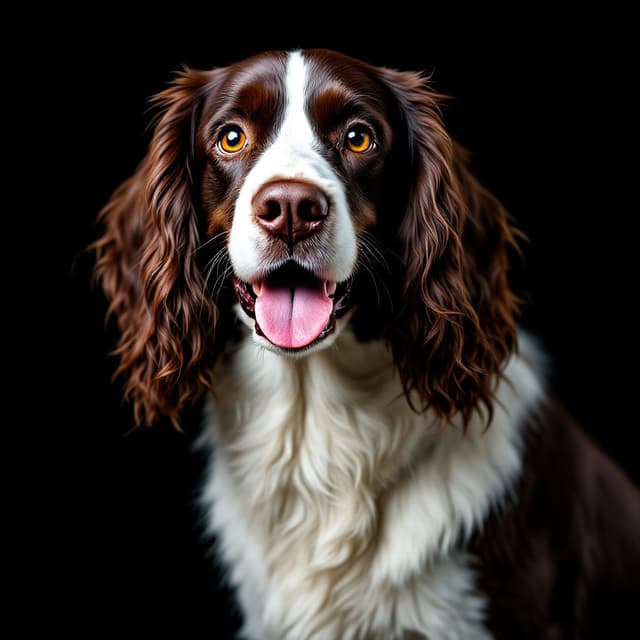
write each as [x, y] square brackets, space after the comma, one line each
[232, 140]
[359, 140]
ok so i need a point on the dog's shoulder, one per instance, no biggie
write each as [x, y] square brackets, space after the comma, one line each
[564, 553]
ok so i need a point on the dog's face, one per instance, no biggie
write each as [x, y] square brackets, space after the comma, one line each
[303, 191]
[297, 150]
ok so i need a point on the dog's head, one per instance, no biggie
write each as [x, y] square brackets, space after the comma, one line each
[306, 190]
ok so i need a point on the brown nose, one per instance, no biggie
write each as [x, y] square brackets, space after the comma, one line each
[290, 210]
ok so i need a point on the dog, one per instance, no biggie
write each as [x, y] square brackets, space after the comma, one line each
[305, 245]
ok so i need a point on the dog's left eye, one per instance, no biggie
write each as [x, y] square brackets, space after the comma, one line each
[359, 139]
[232, 140]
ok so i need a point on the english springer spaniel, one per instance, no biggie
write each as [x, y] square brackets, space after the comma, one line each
[304, 243]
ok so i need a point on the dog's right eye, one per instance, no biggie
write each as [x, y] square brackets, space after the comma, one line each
[359, 139]
[232, 139]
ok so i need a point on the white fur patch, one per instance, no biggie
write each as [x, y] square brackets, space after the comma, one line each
[294, 154]
[339, 511]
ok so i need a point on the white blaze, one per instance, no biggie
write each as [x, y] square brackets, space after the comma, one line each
[294, 155]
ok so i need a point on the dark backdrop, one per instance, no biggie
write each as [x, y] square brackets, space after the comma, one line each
[539, 102]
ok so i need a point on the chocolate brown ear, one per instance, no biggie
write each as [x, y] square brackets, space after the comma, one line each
[146, 265]
[455, 323]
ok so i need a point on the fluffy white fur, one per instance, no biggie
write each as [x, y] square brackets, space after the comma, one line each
[340, 512]
[294, 155]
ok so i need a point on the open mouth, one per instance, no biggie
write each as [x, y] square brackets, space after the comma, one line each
[292, 308]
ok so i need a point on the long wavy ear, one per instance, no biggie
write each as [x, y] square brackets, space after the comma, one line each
[455, 322]
[147, 265]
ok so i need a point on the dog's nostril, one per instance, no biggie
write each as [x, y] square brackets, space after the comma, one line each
[271, 211]
[308, 210]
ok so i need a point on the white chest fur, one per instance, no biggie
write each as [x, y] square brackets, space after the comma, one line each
[341, 513]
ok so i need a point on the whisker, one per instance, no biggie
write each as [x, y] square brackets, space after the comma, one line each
[374, 280]
[216, 263]
[217, 257]
[376, 249]
[373, 259]
[222, 265]
[383, 251]
[222, 234]
[220, 280]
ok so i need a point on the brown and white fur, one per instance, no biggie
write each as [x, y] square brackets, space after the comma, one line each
[401, 472]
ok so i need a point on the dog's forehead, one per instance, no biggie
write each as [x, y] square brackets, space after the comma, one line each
[268, 68]
[331, 67]
[264, 79]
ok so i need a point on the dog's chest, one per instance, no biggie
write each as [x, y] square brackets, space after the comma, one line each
[338, 510]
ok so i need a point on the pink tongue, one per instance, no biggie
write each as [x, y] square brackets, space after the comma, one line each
[293, 317]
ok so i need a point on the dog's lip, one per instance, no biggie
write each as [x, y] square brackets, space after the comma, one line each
[255, 288]
[247, 293]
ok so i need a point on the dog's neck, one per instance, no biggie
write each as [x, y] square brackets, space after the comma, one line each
[321, 468]
[335, 429]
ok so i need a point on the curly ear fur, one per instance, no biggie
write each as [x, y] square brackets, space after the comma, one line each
[455, 322]
[147, 266]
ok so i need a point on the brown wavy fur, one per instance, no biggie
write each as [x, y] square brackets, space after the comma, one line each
[455, 324]
[148, 270]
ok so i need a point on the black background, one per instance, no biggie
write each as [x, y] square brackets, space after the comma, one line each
[540, 102]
